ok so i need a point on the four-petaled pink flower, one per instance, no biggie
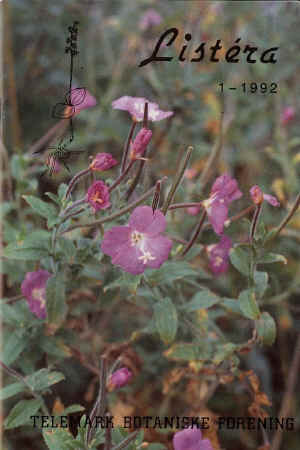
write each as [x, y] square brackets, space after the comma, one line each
[191, 439]
[98, 196]
[102, 161]
[224, 191]
[138, 245]
[149, 18]
[119, 378]
[136, 105]
[287, 115]
[140, 143]
[258, 196]
[33, 288]
[219, 255]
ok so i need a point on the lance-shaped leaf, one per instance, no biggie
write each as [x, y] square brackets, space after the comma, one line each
[266, 328]
[21, 412]
[248, 304]
[56, 301]
[126, 441]
[166, 321]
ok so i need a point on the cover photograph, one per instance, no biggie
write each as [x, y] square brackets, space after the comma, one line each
[150, 225]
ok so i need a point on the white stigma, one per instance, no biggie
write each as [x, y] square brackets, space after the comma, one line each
[146, 256]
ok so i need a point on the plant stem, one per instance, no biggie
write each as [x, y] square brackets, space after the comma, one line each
[74, 204]
[116, 214]
[196, 233]
[177, 180]
[288, 217]
[184, 205]
[254, 222]
[126, 148]
[75, 180]
[121, 177]
[20, 377]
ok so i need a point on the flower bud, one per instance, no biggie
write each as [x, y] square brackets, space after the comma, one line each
[102, 161]
[119, 378]
[257, 194]
[140, 143]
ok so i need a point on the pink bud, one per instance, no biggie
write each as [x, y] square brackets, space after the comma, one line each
[140, 143]
[257, 194]
[102, 161]
[119, 378]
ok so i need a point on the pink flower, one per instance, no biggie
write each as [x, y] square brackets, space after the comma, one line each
[119, 378]
[82, 99]
[191, 439]
[224, 191]
[135, 106]
[219, 255]
[193, 210]
[149, 18]
[33, 288]
[140, 143]
[258, 196]
[102, 161]
[139, 244]
[98, 196]
[287, 115]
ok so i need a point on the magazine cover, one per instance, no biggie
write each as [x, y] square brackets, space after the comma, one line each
[150, 225]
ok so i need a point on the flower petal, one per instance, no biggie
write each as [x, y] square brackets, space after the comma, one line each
[114, 239]
[217, 214]
[188, 439]
[127, 258]
[271, 199]
[159, 248]
[143, 220]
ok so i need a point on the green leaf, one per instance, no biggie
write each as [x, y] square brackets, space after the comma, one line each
[53, 197]
[43, 378]
[62, 190]
[67, 247]
[13, 345]
[72, 409]
[56, 300]
[240, 260]
[202, 300]
[224, 351]
[21, 412]
[272, 258]
[166, 321]
[261, 283]
[231, 305]
[60, 439]
[11, 390]
[248, 304]
[266, 328]
[171, 271]
[42, 208]
[182, 352]
[15, 251]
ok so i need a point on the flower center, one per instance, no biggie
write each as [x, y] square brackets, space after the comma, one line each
[146, 256]
[218, 261]
[136, 237]
[39, 295]
[96, 198]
